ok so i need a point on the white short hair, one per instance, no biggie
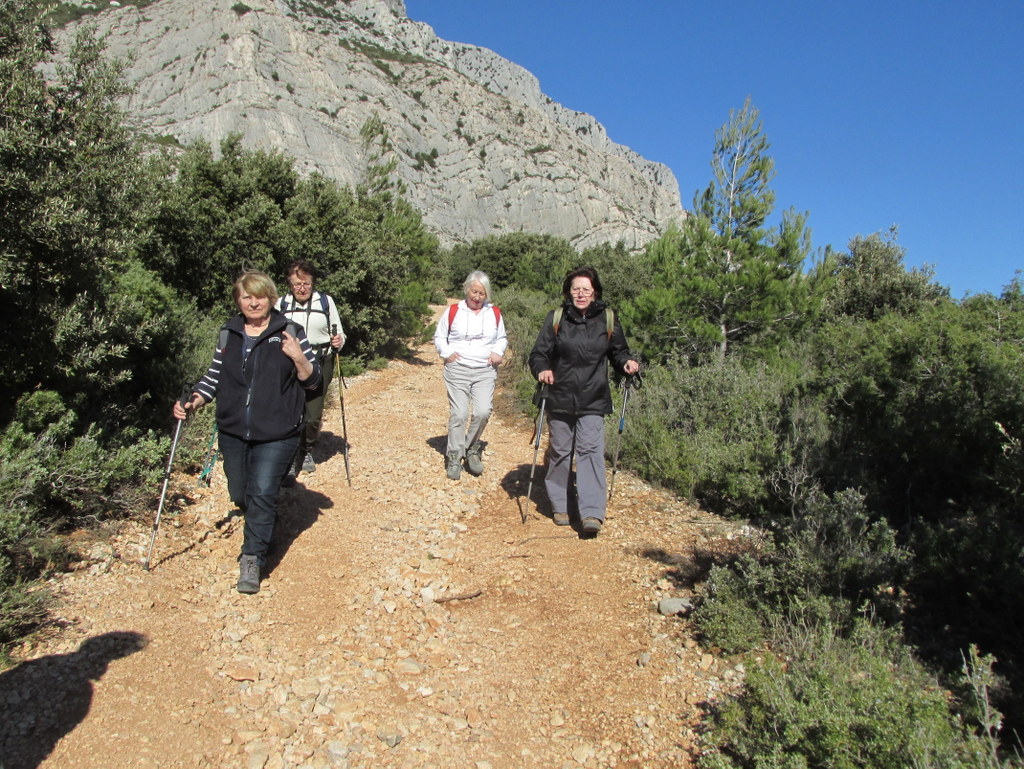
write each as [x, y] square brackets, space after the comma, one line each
[478, 276]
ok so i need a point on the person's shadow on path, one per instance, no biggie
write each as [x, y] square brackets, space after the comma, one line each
[439, 443]
[44, 699]
[297, 510]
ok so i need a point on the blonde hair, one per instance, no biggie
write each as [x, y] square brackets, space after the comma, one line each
[254, 283]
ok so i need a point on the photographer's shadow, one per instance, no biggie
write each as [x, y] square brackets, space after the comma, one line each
[47, 698]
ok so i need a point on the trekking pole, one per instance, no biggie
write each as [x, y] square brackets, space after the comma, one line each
[631, 380]
[341, 394]
[186, 391]
[211, 459]
[536, 445]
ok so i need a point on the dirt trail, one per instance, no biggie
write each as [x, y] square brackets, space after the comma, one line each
[407, 621]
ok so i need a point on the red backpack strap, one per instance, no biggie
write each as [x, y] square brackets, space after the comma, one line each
[452, 310]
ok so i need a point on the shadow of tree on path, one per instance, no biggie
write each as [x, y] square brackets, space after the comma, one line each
[684, 570]
[46, 698]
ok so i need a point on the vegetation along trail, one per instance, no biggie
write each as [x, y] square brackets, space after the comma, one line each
[407, 620]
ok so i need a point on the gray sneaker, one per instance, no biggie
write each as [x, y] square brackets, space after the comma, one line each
[473, 463]
[249, 574]
[591, 526]
[308, 465]
[561, 519]
[453, 466]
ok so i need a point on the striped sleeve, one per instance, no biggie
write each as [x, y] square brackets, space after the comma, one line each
[314, 379]
[207, 386]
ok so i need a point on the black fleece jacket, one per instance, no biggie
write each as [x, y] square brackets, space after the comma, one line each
[260, 399]
[579, 355]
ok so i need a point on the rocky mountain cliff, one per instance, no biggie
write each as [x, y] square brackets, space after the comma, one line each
[480, 148]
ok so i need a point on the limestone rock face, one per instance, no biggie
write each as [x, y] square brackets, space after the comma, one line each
[480, 149]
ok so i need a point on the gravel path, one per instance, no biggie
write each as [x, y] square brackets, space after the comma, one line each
[407, 620]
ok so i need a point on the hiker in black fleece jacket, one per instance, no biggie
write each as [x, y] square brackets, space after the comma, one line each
[258, 376]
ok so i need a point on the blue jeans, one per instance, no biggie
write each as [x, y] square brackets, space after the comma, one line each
[254, 470]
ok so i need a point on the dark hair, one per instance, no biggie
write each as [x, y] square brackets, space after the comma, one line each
[301, 265]
[581, 272]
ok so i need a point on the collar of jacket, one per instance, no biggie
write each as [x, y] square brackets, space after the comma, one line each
[595, 308]
[276, 323]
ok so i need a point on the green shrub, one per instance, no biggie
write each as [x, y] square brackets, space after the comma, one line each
[857, 702]
[728, 618]
[50, 480]
[23, 607]
[708, 432]
[828, 564]
[520, 260]
[351, 366]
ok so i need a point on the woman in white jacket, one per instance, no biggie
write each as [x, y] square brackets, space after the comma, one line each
[470, 337]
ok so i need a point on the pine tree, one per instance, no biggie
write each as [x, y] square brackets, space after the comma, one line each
[722, 278]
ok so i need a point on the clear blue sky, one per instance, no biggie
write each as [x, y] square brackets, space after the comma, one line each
[907, 113]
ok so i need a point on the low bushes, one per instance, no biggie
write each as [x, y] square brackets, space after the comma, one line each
[850, 699]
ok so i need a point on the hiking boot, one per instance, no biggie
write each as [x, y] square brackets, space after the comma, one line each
[473, 462]
[591, 526]
[249, 574]
[453, 466]
[308, 465]
[561, 519]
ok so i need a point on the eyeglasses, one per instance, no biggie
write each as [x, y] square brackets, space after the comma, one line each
[580, 291]
[304, 284]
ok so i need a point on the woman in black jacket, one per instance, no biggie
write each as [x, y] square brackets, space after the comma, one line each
[262, 366]
[571, 356]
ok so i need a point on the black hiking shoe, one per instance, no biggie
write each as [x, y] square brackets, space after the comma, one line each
[249, 574]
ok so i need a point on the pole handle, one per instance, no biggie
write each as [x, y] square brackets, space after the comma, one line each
[185, 400]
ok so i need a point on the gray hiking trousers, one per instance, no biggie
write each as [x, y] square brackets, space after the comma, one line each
[468, 388]
[583, 436]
